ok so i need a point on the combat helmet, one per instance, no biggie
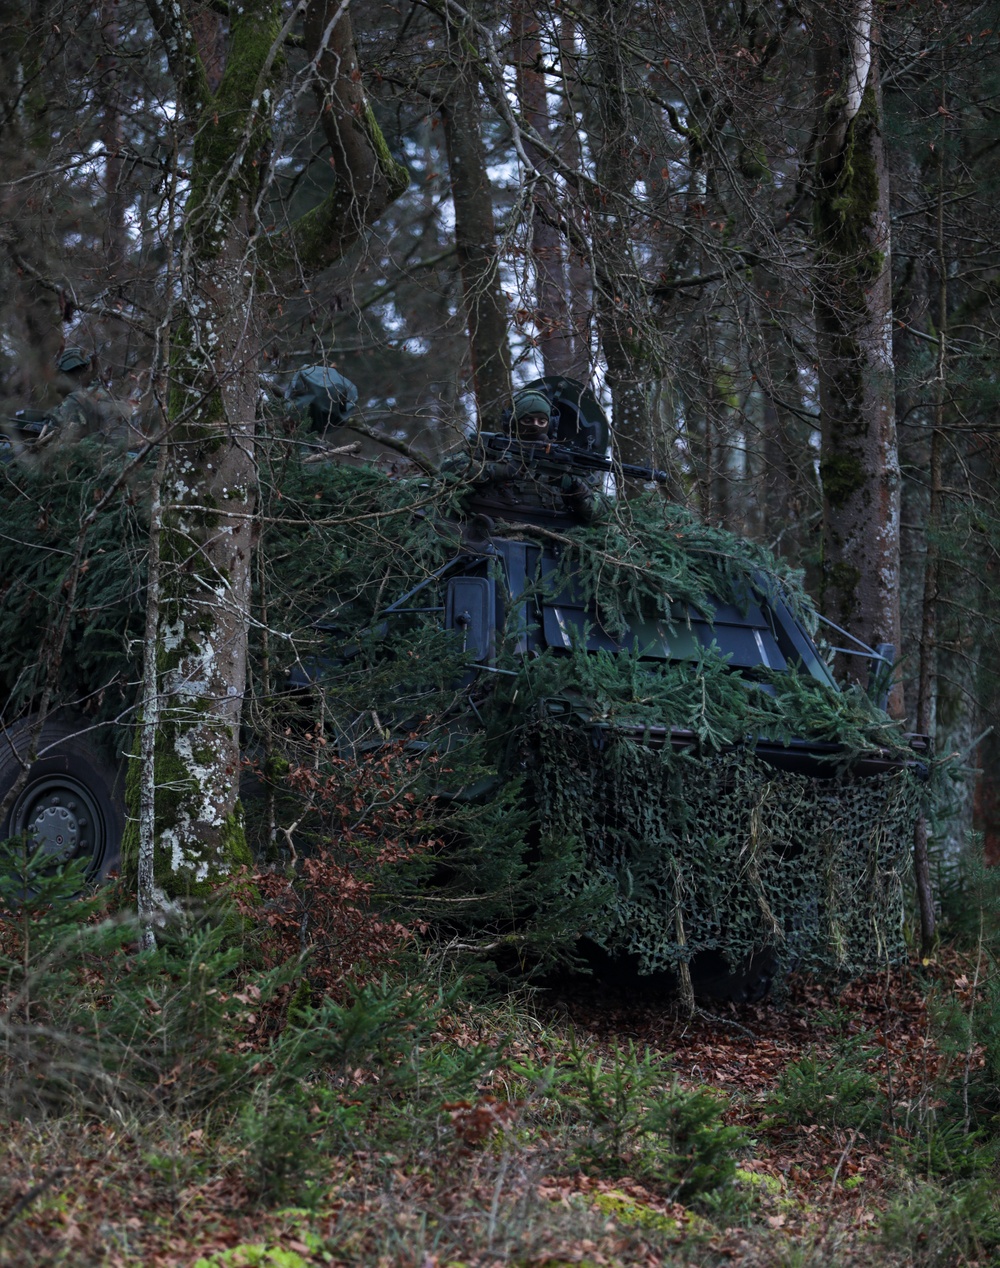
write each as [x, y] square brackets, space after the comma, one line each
[322, 396]
[71, 359]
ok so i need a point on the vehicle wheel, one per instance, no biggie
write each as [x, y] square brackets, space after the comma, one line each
[73, 802]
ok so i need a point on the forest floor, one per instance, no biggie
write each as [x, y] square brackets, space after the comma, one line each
[829, 1094]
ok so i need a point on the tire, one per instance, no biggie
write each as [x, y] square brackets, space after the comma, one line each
[73, 803]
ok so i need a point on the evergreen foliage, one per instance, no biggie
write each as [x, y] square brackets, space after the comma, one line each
[629, 1114]
[44, 503]
[650, 553]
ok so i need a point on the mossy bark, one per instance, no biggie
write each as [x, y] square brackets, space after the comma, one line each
[207, 486]
[368, 178]
[208, 481]
[859, 466]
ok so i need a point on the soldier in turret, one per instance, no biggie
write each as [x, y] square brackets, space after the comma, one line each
[512, 488]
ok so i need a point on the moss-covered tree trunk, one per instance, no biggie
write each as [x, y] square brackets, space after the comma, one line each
[208, 482]
[207, 485]
[859, 465]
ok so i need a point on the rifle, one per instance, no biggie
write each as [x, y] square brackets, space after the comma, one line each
[28, 424]
[560, 459]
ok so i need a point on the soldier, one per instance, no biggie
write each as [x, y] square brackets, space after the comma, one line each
[512, 489]
[89, 409]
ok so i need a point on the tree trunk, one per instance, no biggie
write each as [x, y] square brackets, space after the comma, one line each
[26, 206]
[551, 317]
[208, 483]
[859, 466]
[788, 490]
[620, 305]
[567, 142]
[115, 237]
[208, 487]
[475, 237]
[927, 682]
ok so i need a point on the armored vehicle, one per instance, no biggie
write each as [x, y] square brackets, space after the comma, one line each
[701, 794]
[664, 767]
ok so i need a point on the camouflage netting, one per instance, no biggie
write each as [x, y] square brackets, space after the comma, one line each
[723, 852]
[707, 849]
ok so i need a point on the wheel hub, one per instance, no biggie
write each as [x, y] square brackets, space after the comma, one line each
[57, 829]
[61, 816]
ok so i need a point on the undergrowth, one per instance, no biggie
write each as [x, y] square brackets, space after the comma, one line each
[303, 1094]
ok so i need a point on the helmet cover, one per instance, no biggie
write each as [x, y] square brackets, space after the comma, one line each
[72, 358]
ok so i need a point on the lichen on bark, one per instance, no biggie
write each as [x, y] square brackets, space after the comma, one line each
[181, 870]
[207, 484]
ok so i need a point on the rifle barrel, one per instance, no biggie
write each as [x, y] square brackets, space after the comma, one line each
[565, 457]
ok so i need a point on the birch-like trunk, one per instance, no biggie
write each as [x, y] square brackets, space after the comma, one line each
[225, 79]
[208, 496]
[149, 897]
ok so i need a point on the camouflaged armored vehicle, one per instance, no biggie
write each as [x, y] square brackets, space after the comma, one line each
[714, 806]
[666, 773]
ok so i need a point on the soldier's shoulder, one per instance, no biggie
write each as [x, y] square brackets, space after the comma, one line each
[457, 463]
[71, 407]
